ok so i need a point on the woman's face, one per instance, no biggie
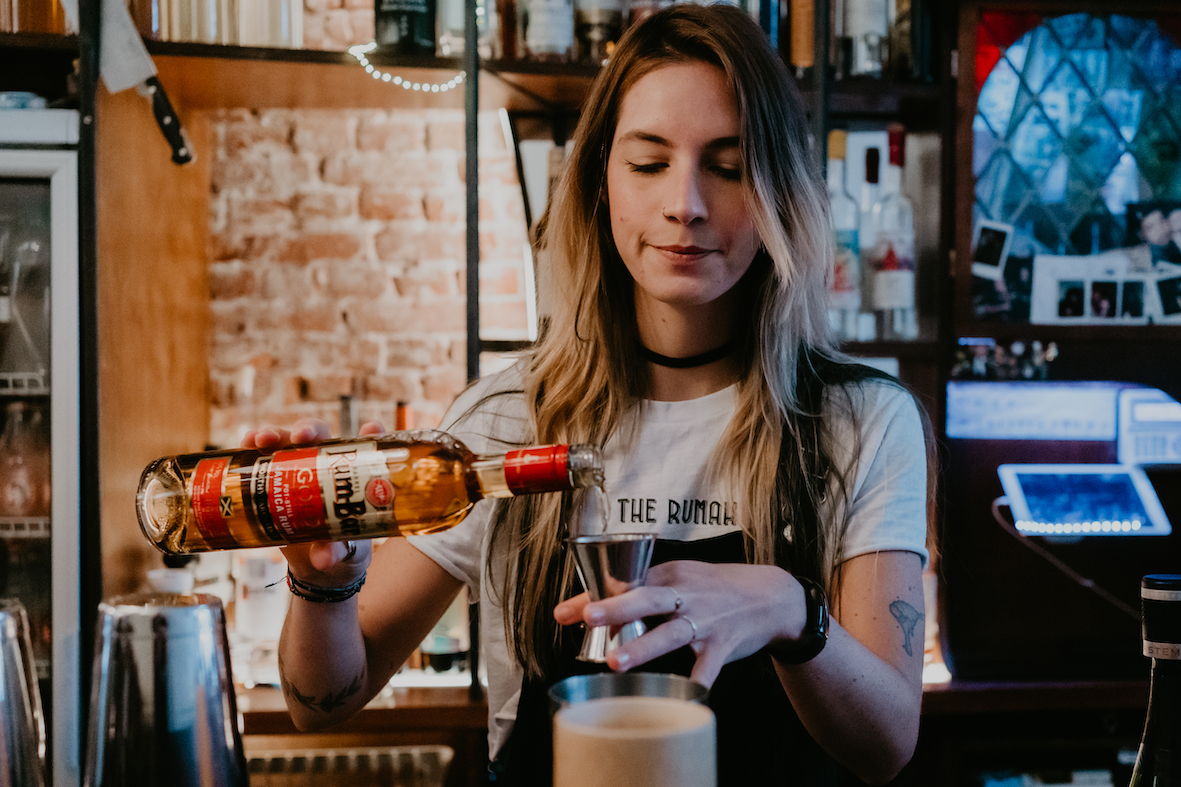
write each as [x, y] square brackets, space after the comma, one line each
[679, 212]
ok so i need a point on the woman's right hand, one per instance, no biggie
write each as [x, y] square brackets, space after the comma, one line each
[328, 564]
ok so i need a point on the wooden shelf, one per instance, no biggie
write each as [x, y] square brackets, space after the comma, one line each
[1059, 333]
[973, 697]
[913, 350]
[39, 63]
[415, 708]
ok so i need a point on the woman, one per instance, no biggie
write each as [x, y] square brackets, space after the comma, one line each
[690, 246]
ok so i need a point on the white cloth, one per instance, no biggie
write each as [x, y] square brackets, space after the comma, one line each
[661, 485]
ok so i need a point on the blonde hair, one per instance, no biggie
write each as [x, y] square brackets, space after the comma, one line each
[585, 377]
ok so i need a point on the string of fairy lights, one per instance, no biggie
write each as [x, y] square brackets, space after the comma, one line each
[361, 53]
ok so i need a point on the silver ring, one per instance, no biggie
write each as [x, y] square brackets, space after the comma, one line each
[692, 625]
[677, 603]
[352, 549]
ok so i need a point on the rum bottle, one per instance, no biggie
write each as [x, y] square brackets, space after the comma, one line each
[402, 483]
[1158, 762]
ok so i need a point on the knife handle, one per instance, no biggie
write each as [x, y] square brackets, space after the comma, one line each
[167, 120]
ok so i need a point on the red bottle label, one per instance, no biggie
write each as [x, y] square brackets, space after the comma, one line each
[295, 495]
[298, 494]
[540, 469]
[212, 508]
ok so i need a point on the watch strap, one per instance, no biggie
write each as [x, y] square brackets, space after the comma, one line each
[815, 633]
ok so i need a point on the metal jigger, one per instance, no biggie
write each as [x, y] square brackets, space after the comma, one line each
[610, 564]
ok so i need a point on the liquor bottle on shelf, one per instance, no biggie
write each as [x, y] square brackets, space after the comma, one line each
[866, 28]
[597, 26]
[24, 463]
[803, 37]
[910, 41]
[452, 28]
[869, 196]
[845, 289]
[404, 27]
[891, 261]
[1158, 761]
[548, 29]
[506, 33]
[402, 483]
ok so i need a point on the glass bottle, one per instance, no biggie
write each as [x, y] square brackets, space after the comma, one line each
[453, 28]
[866, 27]
[547, 27]
[845, 288]
[404, 27]
[597, 27]
[1158, 761]
[24, 463]
[803, 37]
[892, 250]
[402, 483]
[870, 193]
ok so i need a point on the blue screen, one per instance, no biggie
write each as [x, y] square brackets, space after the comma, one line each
[1071, 497]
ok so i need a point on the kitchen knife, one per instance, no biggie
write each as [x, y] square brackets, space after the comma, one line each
[124, 62]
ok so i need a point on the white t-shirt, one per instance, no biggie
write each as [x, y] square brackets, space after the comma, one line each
[661, 485]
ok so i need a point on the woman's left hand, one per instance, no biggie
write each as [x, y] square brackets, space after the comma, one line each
[724, 612]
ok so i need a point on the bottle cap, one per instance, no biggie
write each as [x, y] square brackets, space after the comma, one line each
[873, 160]
[1160, 598]
[896, 134]
[539, 469]
[837, 143]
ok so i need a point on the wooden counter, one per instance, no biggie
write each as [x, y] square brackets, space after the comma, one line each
[954, 716]
[401, 717]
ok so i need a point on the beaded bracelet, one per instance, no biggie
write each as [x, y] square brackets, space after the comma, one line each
[322, 595]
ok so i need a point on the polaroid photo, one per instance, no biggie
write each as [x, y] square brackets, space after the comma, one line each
[1168, 291]
[990, 249]
[1134, 301]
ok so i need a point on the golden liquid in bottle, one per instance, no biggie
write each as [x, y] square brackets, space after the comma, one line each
[190, 508]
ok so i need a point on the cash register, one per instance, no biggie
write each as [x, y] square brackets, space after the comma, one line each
[1058, 497]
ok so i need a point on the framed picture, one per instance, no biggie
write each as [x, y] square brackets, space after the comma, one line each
[990, 249]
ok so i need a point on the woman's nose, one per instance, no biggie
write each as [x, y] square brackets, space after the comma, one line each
[684, 201]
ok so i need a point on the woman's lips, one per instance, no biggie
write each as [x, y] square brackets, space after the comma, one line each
[686, 250]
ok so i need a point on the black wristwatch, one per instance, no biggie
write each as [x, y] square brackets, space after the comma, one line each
[815, 633]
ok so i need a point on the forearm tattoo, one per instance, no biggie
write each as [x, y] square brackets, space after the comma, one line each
[325, 704]
[908, 618]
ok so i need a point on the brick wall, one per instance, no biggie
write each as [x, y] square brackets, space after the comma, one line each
[338, 246]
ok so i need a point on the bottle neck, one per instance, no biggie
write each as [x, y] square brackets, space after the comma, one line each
[836, 176]
[1164, 700]
[549, 468]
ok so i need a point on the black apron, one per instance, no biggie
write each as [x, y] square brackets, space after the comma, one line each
[761, 740]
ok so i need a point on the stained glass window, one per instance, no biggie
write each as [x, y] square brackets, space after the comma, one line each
[1078, 117]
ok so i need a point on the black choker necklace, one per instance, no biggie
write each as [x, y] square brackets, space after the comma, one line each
[701, 359]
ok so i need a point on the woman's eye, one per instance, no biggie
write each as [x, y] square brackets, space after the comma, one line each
[729, 173]
[646, 169]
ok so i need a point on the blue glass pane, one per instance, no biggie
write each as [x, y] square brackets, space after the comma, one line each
[998, 95]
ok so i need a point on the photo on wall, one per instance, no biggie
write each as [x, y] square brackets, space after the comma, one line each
[990, 249]
[1157, 226]
[1100, 289]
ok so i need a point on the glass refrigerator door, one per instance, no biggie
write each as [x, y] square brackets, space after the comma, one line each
[39, 517]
